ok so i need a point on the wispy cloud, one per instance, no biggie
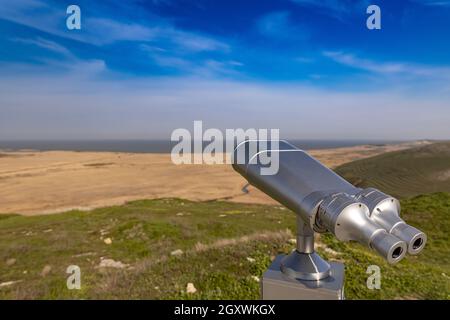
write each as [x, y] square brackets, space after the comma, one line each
[197, 67]
[100, 30]
[438, 3]
[279, 25]
[104, 31]
[66, 61]
[46, 44]
[193, 42]
[388, 68]
[41, 16]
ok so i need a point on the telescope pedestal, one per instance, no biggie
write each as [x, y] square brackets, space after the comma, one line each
[305, 266]
[303, 274]
[275, 285]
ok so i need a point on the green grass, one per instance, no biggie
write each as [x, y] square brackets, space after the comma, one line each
[144, 233]
[405, 173]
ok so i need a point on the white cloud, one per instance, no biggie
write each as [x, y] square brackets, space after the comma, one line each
[38, 15]
[46, 44]
[172, 62]
[278, 25]
[437, 3]
[196, 67]
[100, 30]
[194, 42]
[70, 64]
[103, 31]
[389, 68]
[90, 67]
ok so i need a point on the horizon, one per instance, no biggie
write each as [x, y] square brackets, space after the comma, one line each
[166, 146]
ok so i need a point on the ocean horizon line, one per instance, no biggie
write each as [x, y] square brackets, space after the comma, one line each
[165, 146]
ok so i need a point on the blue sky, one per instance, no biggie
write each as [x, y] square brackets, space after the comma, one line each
[140, 69]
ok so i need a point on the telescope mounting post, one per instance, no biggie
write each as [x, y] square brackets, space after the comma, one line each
[304, 263]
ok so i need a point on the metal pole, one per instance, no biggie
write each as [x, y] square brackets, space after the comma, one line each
[305, 237]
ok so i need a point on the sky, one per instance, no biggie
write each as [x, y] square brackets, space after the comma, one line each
[141, 69]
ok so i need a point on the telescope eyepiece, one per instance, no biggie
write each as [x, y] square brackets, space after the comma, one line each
[349, 220]
[388, 246]
[385, 211]
[415, 238]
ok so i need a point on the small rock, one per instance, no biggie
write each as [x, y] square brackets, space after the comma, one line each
[25, 271]
[48, 230]
[110, 263]
[177, 252]
[156, 288]
[255, 278]
[190, 288]
[46, 270]
[107, 241]
[249, 259]
[83, 254]
[10, 261]
[222, 215]
[332, 252]
[292, 241]
[180, 214]
[8, 283]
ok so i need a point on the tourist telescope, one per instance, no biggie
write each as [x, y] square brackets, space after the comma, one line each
[323, 202]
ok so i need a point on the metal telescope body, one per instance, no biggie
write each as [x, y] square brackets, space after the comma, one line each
[325, 202]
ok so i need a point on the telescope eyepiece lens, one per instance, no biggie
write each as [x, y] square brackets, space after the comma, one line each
[397, 252]
[417, 243]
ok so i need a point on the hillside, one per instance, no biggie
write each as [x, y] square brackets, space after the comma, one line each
[130, 251]
[404, 173]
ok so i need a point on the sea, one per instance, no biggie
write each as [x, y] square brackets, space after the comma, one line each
[159, 146]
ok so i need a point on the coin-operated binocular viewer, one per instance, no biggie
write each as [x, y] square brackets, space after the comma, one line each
[323, 202]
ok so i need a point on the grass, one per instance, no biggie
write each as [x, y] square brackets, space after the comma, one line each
[405, 173]
[225, 246]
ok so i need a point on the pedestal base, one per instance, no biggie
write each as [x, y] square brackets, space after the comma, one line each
[275, 285]
[305, 266]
